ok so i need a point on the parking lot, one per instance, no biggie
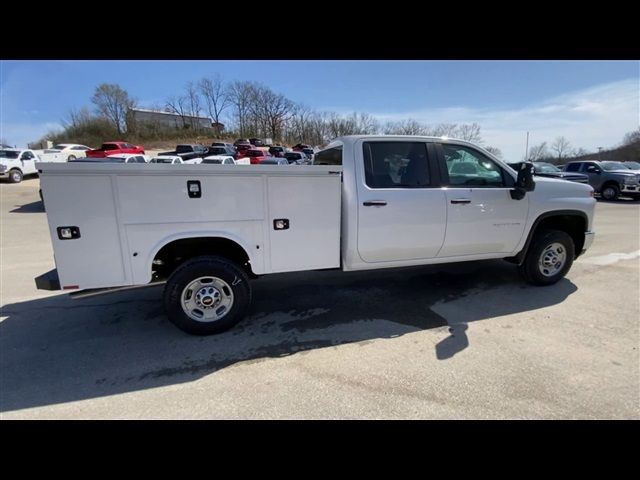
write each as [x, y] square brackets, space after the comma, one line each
[447, 341]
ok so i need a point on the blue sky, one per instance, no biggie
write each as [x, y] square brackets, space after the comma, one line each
[591, 103]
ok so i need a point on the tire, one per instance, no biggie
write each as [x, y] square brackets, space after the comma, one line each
[197, 283]
[15, 176]
[540, 266]
[71, 157]
[610, 192]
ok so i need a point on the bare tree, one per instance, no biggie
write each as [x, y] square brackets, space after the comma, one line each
[405, 127]
[443, 130]
[216, 97]
[495, 151]
[631, 137]
[113, 102]
[192, 95]
[178, 105]
[240, 93]
[561, 147]
[538, 152]
[469, 132]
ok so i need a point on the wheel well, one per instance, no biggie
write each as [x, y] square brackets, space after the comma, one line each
[173, 254]
[610, 182]
[573, 224]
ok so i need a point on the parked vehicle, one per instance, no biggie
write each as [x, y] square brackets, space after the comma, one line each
[298, 158]
[635, 166]
[277, 151]
[256, 156]
[309, 153]
[16, 163]
[170, 159]
[222, 150]
[219, 160]
[70, 151]
[392, 202]
[299, 147]
[609, 179]
[114, 148]
[258, 142]
[545, 169]
[129, 158]
[274, 161]
[188, 152]
[241, 141]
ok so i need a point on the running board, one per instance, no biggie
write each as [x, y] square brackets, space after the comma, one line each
[93, 292]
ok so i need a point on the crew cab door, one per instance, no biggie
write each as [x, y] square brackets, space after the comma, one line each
[401, 207]
[28, 161]
[482, 217]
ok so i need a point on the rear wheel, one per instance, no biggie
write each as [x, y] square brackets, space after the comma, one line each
[15, 176]
[71, 157]
[549, 257]
[610, 192]
[207, 295]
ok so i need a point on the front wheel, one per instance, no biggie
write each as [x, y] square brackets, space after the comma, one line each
[610, 192]
[15, 176]
[549, 257]
[207, 295]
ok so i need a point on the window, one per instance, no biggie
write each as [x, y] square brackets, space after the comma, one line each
[331, 156]
[469, 167]
[27, 156]
[109, 146]
[396, 165]
[127, 145]
[573, 167]
[140, 159]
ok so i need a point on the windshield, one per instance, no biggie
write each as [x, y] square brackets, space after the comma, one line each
[211, 160]
[8, 154]
[59, 147]
[613, 166]
[632, 165]
[546, 168]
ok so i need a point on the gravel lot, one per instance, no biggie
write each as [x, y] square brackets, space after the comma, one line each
[458, 341]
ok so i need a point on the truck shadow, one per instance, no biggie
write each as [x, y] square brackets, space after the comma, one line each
[57, 350]
[33, 207]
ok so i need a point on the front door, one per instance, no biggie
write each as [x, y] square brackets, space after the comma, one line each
[482, 217]
[28, 160]
[401, 209]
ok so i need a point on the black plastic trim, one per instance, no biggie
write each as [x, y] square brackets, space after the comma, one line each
[48, 281]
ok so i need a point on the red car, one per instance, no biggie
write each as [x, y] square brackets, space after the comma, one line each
[115, 148]
[256, 156]
[242, 149]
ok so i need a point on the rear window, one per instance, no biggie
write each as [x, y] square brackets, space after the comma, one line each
[331, 156]
[162, 160]
[110, 146]
[218, 150]
[212, 160]
[8, 154]
[184, 149]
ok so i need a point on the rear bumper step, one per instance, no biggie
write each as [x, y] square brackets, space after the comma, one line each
[48, 281]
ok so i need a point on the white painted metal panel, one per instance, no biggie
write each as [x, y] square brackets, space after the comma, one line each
[312, 207]
[95, 259]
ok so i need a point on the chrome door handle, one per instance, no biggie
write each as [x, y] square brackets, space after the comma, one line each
[456, 201]
[374, 203]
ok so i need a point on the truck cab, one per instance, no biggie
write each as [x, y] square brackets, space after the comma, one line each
[15, 164]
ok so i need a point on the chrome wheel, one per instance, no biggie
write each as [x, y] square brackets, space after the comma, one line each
[207, 299]
[609, 193]
[16, 176]
[552, 259]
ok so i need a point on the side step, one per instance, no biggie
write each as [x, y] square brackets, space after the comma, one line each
[93, 292]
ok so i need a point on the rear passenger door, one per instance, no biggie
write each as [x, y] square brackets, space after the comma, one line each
[482, 218]
[401, 207]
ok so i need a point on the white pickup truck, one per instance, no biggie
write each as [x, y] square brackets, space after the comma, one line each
[377, 202]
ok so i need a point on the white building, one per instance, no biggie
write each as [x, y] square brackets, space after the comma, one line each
[169, 119]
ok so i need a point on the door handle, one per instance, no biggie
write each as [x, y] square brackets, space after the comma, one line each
[456, 201]
[375, 203]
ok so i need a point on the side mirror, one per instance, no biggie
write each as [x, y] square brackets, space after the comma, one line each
[592, 169]
[524, 182]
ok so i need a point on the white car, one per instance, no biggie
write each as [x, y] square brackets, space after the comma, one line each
[70, 151]
[130, 157]
[16, 163]
[171, 159]
[220, 160]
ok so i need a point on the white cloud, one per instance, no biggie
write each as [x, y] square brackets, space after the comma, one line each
[595, 117]
[19, 134]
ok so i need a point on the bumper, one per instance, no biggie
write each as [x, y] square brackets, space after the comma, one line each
[630, 189]
[588, 240]
[48, 281]
[4, 174]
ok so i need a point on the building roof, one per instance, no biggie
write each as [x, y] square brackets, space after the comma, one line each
[173, 114]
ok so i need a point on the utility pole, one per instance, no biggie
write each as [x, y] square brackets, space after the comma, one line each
[526, 149]
[600, 154]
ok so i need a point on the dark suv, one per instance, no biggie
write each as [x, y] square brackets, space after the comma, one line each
[609, 179]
